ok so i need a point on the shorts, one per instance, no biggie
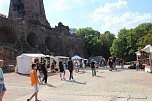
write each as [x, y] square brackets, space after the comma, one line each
[2, 87]
[36, 88]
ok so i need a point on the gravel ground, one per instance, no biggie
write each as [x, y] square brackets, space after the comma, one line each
[120, 85]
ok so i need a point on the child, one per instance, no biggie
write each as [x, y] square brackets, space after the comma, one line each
[34, 82]
[2, 85]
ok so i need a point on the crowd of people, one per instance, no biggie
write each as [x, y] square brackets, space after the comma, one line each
[72, 66]
[37, 68]
[112, 63]
[39, 71]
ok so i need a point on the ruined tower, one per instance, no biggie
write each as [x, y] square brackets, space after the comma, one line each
[26, 30]
[29, 10]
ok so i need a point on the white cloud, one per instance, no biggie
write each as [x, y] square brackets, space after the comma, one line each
[115, 16]
[128, 20]
[4, 5]
[107, 9]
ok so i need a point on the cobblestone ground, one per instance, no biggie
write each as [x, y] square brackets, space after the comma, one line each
[120, 85]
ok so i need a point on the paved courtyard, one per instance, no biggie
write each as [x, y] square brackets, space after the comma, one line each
[120, 85]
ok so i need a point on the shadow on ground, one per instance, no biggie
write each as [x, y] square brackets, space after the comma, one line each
[77, 82]
[49, 85]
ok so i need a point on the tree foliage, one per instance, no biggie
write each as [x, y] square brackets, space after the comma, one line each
[107, 40]
[96, 44]
[132, 40]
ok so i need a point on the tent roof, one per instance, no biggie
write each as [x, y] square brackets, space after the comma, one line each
[77, 57]
[147, 48]
[138, 53]
[33, 55]
[64, 57]
[49, 56]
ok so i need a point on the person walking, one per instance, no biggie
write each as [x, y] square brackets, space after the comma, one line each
[65, 67]
[122, 63]
[137, 65]
[44, 71]
[36, 61]
[54, 62]
[114, 63]
[79, 65]
[2, 85]
[70, 68]
[84, 65]
[93, 67]
[53, 68]
[34, 82]
[110, 61]
[76, 66]
[61, 67]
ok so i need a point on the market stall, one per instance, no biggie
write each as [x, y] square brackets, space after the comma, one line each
[64, 59]
[76, 57]
[24, 62]
[146, 56]
[138, 54]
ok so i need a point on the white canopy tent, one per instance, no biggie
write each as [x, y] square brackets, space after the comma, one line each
[51, 58]
[64, 59]
[138, 54]
[76, 57]
[24, 62]
[148, 49]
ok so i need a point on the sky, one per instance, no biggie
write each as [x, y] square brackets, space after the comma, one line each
[101, 15]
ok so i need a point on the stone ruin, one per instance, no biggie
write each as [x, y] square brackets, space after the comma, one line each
[26, 30]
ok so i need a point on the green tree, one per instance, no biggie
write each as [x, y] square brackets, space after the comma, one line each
[92, 40]
[96, 44]
[106, 40]
[119, 48]
[132, 40]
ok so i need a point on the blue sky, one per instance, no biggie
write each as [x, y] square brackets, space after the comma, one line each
[101, 15]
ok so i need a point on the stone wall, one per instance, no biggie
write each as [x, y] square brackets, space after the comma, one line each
[8, 54]
[26, 30]
[33, 12]
[17, 37]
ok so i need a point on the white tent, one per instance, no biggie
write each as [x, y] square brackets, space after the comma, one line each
[64, 59]
[76, 57]
[51, 59]
[24, 62]
[138, 54]
[148, 49]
